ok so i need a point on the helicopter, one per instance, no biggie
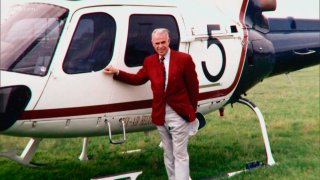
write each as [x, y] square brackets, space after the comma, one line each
[51, 79]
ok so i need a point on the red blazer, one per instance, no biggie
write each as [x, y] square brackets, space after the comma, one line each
[182, 89]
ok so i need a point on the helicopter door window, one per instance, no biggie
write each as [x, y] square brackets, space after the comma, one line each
[139, 36]
[91, 47]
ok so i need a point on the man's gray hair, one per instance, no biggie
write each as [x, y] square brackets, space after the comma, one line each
[160, 30]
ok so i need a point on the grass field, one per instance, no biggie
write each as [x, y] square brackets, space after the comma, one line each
[291, 112]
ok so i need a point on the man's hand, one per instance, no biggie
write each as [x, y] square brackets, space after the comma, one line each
[110, 70]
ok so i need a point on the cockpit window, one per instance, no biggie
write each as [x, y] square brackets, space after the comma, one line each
[91, 48]
[29, 36]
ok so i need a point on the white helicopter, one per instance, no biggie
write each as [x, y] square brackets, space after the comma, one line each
[53, 53]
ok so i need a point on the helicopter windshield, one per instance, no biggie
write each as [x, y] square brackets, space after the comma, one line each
[29, 36]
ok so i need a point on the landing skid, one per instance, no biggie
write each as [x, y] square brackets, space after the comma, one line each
[84, 156]
[255, 164]
[130, 175]
[270, 160]
[27, 154]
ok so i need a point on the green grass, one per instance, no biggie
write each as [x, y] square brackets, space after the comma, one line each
[291, 112]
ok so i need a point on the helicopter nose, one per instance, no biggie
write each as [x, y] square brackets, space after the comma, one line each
[13, 101]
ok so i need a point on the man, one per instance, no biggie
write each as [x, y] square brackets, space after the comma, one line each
[175, 88]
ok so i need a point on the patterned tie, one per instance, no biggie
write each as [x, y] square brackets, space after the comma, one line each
[164, 71]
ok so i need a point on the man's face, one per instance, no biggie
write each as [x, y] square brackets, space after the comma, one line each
[160, 42]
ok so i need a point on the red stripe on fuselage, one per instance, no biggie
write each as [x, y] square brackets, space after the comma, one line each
[134, 105]
[86, 110]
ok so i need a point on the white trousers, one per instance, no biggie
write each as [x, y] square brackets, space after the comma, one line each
[174, 137]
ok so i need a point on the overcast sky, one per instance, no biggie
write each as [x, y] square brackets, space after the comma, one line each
[296, 8]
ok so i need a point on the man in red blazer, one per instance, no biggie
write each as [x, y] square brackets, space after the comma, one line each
[175, 88]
